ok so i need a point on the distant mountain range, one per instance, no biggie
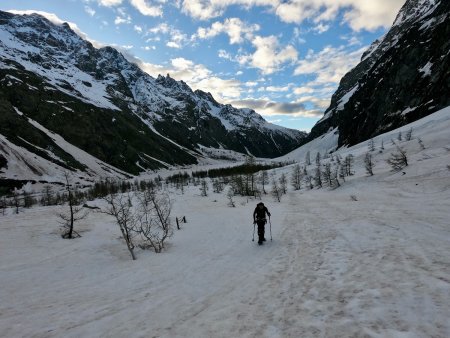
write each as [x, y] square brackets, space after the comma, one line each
[54, 84]
[404, 76]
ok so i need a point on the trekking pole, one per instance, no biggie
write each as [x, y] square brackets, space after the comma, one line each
[270, 223]
[253, 239]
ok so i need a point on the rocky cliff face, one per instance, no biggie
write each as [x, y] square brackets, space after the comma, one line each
[402, 77]
[108, 107]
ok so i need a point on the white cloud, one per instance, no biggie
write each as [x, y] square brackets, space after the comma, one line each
[208, 9]
[276, 89]
[138, 29]
[330, 64]
[90, 11]
[122, 20]
[109, 3]
[233, 27]
[177, 39]
[269, 56]
[359, 14]
[321, 28]
[223, 54]
[147, 8]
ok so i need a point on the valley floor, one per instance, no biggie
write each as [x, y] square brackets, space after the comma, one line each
[375, 267]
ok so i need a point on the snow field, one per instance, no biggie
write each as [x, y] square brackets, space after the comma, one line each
[375, 267]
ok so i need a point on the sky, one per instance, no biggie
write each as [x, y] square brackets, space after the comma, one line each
[282, 58]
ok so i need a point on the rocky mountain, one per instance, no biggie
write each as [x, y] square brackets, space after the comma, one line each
[61, 97]
[402, 77]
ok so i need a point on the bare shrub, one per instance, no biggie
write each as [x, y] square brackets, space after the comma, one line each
[153, 219]
[121, 208]
[398, 160]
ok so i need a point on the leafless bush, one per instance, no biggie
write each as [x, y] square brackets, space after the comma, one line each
[121, 208]
[153, 220]
[398, 160]
[276, 191]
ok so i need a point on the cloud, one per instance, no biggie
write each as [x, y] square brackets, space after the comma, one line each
[233, 27]
[89, 10]
[147, 8]
[123, 17]
[269, 56]
[177, 39]
[208, 9]
[268, 107]
[358, 14]
[330, 64]
[109, 3]
[53, 18]
[321, 28]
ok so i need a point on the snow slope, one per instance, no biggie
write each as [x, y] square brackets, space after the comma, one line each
[374, 267]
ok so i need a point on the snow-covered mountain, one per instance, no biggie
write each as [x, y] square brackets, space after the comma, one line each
[102, 104]
[402, 77]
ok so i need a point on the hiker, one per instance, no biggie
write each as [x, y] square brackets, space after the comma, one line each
[259, 217]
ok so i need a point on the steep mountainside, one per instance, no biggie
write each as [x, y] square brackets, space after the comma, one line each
[54, 82]
[402, 77]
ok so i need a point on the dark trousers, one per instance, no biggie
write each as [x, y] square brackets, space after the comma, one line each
[261, 225]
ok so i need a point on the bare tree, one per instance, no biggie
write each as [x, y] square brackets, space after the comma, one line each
[283, 183]
[153, 220]
[382, 145]
[342, 172]
[318, 178]
[398, 160]
[217, 185]
[368, 164]
[408, 135]
[335, 178]
[264, 180]
[204, 188]
[371, 145]
[16, 199]
[276, 191]
[47, 193]
[327, 176]
[120, 207]
[348, 163]
[399, 136]
[296, 177]
[73, 214]
[318, 159]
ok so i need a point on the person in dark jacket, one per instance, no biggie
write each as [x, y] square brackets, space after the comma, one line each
[259, 217]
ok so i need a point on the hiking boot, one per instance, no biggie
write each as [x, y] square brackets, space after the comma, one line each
[260, 242]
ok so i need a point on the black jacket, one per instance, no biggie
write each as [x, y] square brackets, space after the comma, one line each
[260, 214]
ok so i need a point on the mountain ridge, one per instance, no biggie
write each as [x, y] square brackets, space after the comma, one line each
[116, 111]
[402, 77]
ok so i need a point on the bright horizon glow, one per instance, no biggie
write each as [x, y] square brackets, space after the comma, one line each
[284, 59]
